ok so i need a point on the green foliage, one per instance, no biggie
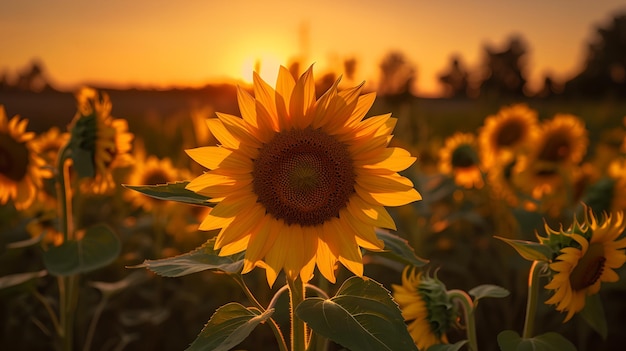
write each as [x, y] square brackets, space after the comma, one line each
[593, 314]
[530, 250]
[97, 248]
[229, 326]
[509, 340]
[361, 316]
[203, 258]
[398, 249]
[82, 145]
[448, 347]
[488, 290]
[173, 192]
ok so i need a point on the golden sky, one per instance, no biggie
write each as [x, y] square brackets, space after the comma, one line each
[155, 43]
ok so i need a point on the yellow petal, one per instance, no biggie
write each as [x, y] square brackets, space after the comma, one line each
[326, 260]
[370, 214]
[363, 105]
[398, 198]
[265, 95]
[382, 183]
[211, 222]
[242, 225]
[247, 107]
[321, 107]
[394, 159]
[234, 247]
[284, 87]
[363, 231]
[302, 99]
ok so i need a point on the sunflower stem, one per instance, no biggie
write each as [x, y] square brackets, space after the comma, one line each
[531, 302]
[298, 328]
[468, 313]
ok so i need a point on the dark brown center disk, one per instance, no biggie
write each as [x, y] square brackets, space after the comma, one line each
[303, 176]
[13, 158]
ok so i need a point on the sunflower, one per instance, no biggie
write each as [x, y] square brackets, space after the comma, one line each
[589, 259]
[506, 133]
[459, 157]
[21, 168]
[300, 182]
[426, 307]
[617, 172]
[100, 142]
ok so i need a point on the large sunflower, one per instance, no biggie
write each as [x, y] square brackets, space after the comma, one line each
[426, 307]
[590, 259]
[21, 168]
[300, 182]
[459, 158]
[506, 133]
[104, 141]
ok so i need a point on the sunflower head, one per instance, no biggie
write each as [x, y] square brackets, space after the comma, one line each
[459, 157]
[506, 133]
[98, 142]
[425, 305]
[301, 182]
[21, 167]
[587, 254]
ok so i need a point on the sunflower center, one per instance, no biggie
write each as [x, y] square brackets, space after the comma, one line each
[13, 158]
[589, 269]
[303, 176]
[509, 134]
[463, 156]
[556, 149]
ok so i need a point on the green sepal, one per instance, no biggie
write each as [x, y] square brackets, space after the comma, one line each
[530, 250]
[97, 248]
[361, 316]
[228, 327]
[488, 290]
[593, 314]
[448, 347]
[510, 340]
[82, 145]
[174, 191]
[202, 258]
[398, 249]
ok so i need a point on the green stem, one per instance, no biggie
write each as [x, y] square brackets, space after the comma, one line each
[533, 294]
[468, 311]
[298, 328]
[282, 345]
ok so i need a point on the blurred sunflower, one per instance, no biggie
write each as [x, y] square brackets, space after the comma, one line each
[506, 133]
[21, 168]
[589, 257]
[100, 143]
[49, 143]
[300, 182]
[617, 172]
[426, 307]
[459, 158]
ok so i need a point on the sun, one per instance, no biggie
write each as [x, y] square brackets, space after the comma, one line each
[266, 65]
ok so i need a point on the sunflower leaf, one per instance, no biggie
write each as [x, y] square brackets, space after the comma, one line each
[174, 191]
[398, 249]
[488, 290]
[361, 316]
[448, 347]
[203, 258]
[593, 314]
[228, 327]
[510, 340]
[529, 250]
[97, 248]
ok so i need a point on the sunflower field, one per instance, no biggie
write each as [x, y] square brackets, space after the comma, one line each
[291, 215]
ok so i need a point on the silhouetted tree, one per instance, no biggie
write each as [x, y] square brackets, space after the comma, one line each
[504, 73]
[33, 78]
[397, 76]
[604, 71]
[349, 67]
[455, 79]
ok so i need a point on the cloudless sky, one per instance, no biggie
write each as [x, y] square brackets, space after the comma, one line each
[156, 43]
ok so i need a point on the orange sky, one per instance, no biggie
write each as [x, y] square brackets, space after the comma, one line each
[159, 43]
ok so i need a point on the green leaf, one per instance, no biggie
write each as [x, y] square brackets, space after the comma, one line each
[509, 340]
[529, 250]
[488, 290]
[398, 249]
[593, 314]
[175, 191]
[448, 347]
[362, 316]
[200, 259]
[228, 327]
[97, 248]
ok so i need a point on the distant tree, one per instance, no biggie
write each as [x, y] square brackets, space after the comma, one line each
[455, 79]
[397, 76]
[349, 67]
[604, 71]
[33, 78]
[504, 70]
